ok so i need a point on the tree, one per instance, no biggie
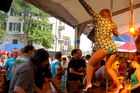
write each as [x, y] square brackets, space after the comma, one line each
[2, 34]
[3, 17]
[41, 33]
[35, 23]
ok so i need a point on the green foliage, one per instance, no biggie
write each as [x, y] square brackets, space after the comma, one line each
[34, 19]
[20, 6]
[3, 18]
[41, 33]
[2, 34]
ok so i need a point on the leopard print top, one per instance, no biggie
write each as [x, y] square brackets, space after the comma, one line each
[103, 30]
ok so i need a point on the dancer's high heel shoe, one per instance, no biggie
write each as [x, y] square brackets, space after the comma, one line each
[87, 87]
[118, 89]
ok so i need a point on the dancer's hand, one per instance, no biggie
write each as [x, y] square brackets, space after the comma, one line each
[82, 74]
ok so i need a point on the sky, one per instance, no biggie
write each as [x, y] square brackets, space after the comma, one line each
[85, 43]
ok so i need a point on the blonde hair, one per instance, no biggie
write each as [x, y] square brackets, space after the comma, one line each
[107, 11]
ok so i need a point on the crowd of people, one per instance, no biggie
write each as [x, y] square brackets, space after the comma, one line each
[29, 70]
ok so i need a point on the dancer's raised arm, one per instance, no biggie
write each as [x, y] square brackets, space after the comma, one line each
[87, 8]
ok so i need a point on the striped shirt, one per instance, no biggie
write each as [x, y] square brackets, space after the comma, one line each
[20, 59]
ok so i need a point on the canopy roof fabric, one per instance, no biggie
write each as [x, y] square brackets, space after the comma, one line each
[72, 13]
[9, 47]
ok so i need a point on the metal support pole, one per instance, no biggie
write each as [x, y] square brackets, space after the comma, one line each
[111, 10]
[111, 6]
[131, 12]
[77, 38]
[131, 19]
[56, 30]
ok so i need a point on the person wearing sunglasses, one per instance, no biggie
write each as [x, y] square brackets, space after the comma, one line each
[115, 67]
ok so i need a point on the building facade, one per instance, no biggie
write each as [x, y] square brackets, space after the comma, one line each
[15, 34]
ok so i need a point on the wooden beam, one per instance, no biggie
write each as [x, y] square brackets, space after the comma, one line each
[125, 10]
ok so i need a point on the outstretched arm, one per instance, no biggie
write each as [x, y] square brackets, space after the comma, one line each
[87, 8]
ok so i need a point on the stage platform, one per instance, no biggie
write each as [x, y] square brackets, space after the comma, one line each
[103, 90]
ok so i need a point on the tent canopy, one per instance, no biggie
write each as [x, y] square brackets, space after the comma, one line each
[72, 13]
[9, 47]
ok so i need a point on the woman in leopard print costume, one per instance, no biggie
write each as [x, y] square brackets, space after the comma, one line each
[104, 45]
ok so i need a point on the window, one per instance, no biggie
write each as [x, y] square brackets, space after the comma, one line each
[14, 27]
[5, 26]
[1, 42]
[39, 27]
[35, 14]
[30, 42]
[11, 12]
[60, 22]
[51, 27]
[15, 41]
[19, 14]
[44, 29]
[18, 27]
[10, 27]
